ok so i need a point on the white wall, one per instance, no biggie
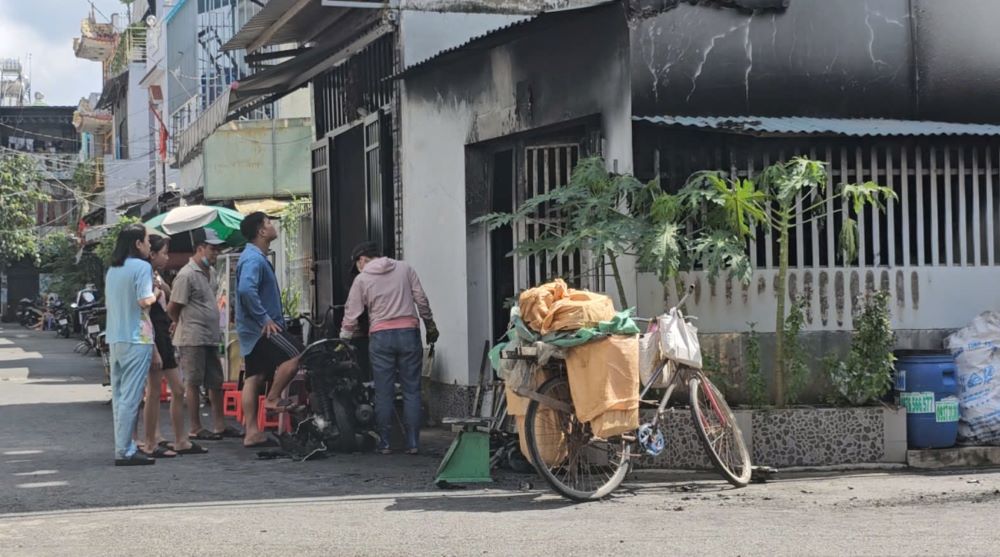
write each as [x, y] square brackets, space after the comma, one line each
[138, 114]
[434, 222]
[447, 109]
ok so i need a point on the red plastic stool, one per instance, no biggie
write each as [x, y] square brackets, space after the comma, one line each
[164, 391]
[269, 419]
[232, 403]
[230, 386]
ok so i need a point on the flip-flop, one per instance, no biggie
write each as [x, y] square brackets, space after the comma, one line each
[286, 405]
[263, 444]
[193, 449]
[206, 435]
[161, 452]
[229, 433]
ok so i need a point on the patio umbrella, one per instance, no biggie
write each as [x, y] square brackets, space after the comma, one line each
[225, 222]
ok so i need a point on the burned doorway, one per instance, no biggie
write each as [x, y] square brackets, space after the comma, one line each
[502, 175]
[503, 283]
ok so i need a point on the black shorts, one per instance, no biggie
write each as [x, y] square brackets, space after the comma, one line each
[165, 346]
[270, 352]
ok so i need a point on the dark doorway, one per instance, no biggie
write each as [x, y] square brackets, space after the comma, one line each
[350, 226]
[502, 241]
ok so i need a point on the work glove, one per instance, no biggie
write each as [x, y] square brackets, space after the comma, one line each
[432, 331]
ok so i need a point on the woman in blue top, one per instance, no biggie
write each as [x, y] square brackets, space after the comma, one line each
[129, 287]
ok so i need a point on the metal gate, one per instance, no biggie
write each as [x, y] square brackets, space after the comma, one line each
[544, 168]
[322, 228]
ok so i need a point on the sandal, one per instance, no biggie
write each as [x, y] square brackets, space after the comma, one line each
[162, 452]
[206, 435]
[384, 451]
[193, 449]
[229, 433]
[285, 405]
[412, 451]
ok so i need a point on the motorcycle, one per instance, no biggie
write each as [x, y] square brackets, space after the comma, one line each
[28, 312]
[61, 316]
[341, 410]
[93, 328]
[86, 298]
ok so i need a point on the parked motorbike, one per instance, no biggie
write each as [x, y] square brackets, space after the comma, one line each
[86, 298]
[93, 328]
[61, 315]
[29, 312]
[341, 409]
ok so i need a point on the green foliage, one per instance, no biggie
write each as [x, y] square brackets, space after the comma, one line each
[756, 386]
[589, 214]
[711, 365]
[794, 355]
[106, 247]
[291, 301]
[614, 215]
[19, 199]
[59, 256]
[783, 196]
[866, 374]
[292, 216]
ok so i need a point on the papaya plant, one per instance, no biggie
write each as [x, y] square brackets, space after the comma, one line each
[782, 196]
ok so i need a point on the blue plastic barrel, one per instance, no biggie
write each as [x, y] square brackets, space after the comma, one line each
[927, 387]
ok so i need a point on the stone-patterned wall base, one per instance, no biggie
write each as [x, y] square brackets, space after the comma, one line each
[447, 401]
[794, 437]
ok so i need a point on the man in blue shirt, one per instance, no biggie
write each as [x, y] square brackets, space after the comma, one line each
[129, 287]
[269, 352]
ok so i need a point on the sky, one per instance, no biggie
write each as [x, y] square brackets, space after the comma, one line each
[45, 29]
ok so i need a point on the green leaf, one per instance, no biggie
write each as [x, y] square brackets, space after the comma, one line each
[849, 240]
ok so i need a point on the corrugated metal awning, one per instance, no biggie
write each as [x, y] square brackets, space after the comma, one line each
[796, 125]
[282, 22]
[269, 85]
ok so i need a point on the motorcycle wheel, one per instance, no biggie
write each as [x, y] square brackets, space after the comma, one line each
[347, 442]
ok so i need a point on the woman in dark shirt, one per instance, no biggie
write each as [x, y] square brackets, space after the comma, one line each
[159, 256]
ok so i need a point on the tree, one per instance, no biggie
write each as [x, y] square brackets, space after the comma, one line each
[70, 269]
[782, 196]
[19, 199]
[615, 215]
[587, 215]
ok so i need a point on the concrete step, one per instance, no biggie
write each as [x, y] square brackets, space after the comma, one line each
[955, 457]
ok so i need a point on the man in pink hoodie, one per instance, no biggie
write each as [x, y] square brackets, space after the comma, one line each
[391, 292]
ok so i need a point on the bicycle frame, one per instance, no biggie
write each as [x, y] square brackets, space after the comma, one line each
[683, 375]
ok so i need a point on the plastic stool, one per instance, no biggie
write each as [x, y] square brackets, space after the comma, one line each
[230, 386]
[164, 390]
[232, 403]
[269, 419]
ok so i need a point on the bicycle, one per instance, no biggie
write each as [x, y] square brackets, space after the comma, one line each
[582, 467]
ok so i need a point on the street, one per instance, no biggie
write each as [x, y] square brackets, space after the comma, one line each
[60, 495]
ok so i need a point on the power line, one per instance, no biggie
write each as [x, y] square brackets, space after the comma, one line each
[38, 134]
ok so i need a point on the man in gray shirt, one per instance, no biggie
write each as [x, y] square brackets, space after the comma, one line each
[195, 311]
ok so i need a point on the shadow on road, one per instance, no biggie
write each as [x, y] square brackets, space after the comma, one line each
[491, 503]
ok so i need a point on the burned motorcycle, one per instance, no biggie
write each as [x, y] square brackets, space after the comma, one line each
[341, 413]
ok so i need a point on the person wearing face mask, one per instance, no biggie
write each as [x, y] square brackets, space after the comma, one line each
[197, 334]
[159, 257]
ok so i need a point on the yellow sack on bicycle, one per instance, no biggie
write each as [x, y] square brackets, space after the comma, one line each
[604, 377]
[536, 303]
[579, 309]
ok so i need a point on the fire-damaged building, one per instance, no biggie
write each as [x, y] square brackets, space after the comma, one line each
[898, 92]
[430, 114]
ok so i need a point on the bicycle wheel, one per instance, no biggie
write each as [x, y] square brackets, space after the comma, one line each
[719, 432]
[573, 462]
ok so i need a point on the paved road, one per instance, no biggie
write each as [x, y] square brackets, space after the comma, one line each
[59, 495]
